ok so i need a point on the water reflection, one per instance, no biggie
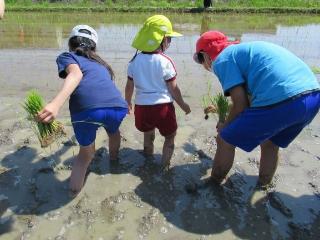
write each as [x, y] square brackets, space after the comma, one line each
[301, 40]
[298, 33]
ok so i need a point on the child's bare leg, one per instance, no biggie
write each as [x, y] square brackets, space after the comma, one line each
[114, 145]
[148, 140]
[223, 160]
[167, 150]
[80, 166]
[268, 162]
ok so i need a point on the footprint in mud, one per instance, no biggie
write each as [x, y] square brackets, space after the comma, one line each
[110, 206]
[148, 222]
[278, 204]
[316, 189]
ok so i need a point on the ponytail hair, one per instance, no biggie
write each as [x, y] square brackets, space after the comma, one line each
[85, 47]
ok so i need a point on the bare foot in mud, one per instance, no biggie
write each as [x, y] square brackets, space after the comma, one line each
[192, 188]
[265, 187]
[148, 157]
[165, 166]
[114, 162]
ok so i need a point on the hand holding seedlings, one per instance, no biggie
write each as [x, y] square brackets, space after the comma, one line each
[218, 104]
[210, 109]
[47, 132]
[48, 113]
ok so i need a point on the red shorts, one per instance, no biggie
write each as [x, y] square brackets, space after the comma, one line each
[161, 116]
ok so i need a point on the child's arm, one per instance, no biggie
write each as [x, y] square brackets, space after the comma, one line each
[176, 94]
[50, 111]
[129, 92]
[240, 102]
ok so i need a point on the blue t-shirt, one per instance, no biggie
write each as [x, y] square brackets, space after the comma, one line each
[96, 88]
[269, 73]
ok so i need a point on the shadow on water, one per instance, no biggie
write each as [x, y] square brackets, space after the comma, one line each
[34, 187]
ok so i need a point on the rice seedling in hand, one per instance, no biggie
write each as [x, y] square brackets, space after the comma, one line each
[207, 102]
[222, 106]
[215, 104]
[46, 132]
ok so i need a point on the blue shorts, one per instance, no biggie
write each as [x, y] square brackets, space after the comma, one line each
[86, 123]
[280, 124]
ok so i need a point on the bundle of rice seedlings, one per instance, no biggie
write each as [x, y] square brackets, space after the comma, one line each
[47, 133]
[215, 104]
[221, 105]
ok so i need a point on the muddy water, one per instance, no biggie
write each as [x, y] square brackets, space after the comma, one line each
[134, 199]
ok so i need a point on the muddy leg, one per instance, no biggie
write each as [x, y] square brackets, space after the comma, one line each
[268, 162]
[80, 166]
[167, 150]
[148, 140]
[223, 160]
[114, 145]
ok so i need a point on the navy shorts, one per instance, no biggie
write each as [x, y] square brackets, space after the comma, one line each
[86, 123]
[280, 124]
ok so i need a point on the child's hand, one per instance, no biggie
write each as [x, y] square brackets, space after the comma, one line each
[186, 108]
[210, 109]
[48, 113]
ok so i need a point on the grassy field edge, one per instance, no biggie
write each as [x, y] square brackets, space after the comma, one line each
[40, 8]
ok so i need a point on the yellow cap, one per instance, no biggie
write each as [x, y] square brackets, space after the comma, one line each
[154, 29]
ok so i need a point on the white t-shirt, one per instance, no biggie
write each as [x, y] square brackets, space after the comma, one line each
[150, 72]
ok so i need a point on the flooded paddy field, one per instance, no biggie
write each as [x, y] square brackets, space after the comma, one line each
[135, 199]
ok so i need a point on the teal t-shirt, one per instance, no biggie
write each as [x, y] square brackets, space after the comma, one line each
[269, 73]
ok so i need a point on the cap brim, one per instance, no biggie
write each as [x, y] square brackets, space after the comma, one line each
[174, 34]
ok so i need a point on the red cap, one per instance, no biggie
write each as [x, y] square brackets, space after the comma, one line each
[213, 42]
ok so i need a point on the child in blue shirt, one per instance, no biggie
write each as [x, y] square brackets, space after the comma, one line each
[274, 96]
[94, 99]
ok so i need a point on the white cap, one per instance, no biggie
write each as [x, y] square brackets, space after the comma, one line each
[76, 31]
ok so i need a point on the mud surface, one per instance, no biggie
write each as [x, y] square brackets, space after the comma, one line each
[134, 199]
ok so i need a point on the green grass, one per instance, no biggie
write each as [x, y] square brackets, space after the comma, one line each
[143, 5]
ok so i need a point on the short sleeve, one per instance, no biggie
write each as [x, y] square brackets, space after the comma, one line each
[228, 74]
[169, 70]
[129, 71]
[63, 61]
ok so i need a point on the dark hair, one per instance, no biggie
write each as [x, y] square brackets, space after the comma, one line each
[200, 57]
[85, 47]
[134, 56]
[162, 42]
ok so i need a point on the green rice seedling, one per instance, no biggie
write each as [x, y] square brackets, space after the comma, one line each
[207, 102]
[218, 104]
[222, 106]
[46, 132]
